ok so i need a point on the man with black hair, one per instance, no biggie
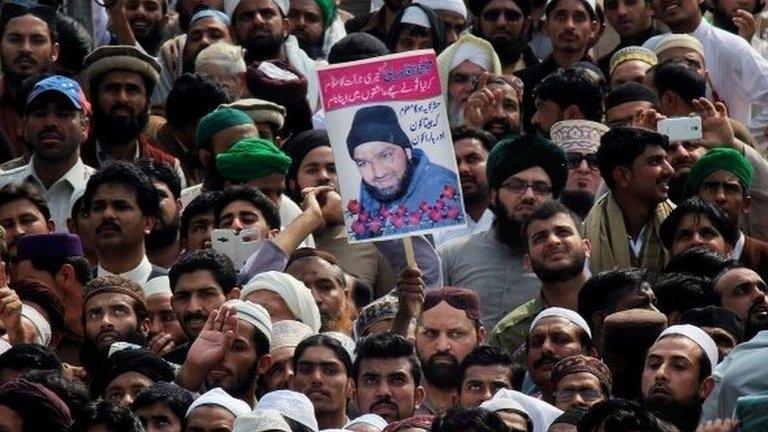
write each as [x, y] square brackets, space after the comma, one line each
[470, 419]
[482, 373]
[22, 211]
[29, 46]
[623, 225]
[22, 358]
[139, 23]
[697, 223]
[387, 377]
[698, 261]
[743, 291]
[241, 207]
[677, 293]
[625, 100]
[162, 407]
[123, 205]
[164, 240]
[632, 20]
[721, 324]
[197, 222]
[505, 24]
[127, 372]
[567, 94]
[620, 414]
[100, 416]
[404, 35]
[376, 23]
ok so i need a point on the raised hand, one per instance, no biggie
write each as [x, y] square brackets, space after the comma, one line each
[481, 103]
[10, 310]
[214, 340]
[161, 344]
[719, 425]
[717, 130]
[746, 24]
[647, 119]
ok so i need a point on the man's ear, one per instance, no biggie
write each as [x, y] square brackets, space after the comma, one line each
[55, 51]
[706, 387]
[149, 224]
[527, 262]
[747, 204]
[144, 326]
[621, 175]
[65, 277]
[51, 225]
[264, 363]
[55, 339]
[418, 396]
[586, 246]
[481, 335]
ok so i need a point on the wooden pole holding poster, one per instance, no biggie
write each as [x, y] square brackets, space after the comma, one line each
[410, 257]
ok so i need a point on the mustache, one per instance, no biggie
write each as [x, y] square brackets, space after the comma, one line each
[25, 57]
[443, 356]
[194, 316]
[383, 402]
[545, 358]
[105, 225]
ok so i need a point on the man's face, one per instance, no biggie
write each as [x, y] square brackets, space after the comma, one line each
[502, 18]
[170, 212]
[570, 26]
[162, 319]
[122, 95]
[682, 155]
[240, 214]
[725, 191]
[413, 37]
[744, 292]
[27, 47]
[53, 128]
[724, 339]
[199, 231]
[202, 34]
[461, 83]
[125, 387]
[630, 70]
[321, 277]
[556, 250]
[583, 172]
[273, 303]
[552, 340]
[237, 373]
[482, 382]
[696, 230]
[109, 317]
[158, 417]
[506, 116]
[687, 55]
[145, 17]
[471, 158]
[678, 13]
[196, 295]
[383, 167]
[19, 218]
[273, 186]
[116, 220]
[444, 337]
[622, 114]
[307, 23]
[317, 169]
[649, 175]
[517, 205]
[324, 379]
[453, 24]
[671, 373]
[210, 418]
[260, 23]
[280, 371]
[385, 386]
[628, 17]
[580, 390]
[547, 114]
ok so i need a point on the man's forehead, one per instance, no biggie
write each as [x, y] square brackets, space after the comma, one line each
[675, 345]
[535, 173]
[108, 299]
[560, 220]
[207, 23]
[436, 317]
[723, 176]
[552, 324]
[738, 276]
[319, 354]
[115, 191]
[502, 4]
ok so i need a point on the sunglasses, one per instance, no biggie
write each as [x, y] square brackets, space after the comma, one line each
[574, 160]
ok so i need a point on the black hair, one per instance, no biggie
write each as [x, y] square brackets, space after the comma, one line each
[72, 393]
[52, 266]
[254, 196]
[547, 210]
[25, 191]
[567, 87]
[621, 145]
[697, 207]
[681, 292]
[172, 396]
[161, 172]
[128, 174]
[466, 132]
[630, 92]
[602, 291]
[361, 292]
[217, 263]
[75, 44]
[680, 77]
[469, 419]
[325, 341]
[701, 262]
[485, 356]
[114, 417]
[619, 415]
[21, 357]
[191, 98]
[435, 23]
[387, 346]
[11, 10]
[202, 203]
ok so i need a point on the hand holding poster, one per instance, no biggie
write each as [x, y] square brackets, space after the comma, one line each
[392, 146]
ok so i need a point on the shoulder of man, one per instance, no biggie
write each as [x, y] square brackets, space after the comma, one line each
[510, 332]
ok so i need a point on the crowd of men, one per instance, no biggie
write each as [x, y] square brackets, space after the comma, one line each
[609, 278]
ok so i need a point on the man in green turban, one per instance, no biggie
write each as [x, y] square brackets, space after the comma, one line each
[310, 20]
[256, 162]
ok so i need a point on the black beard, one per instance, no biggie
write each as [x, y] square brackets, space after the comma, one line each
[313, 50]
[162, 235]
[508, 230]
[261, 48]
[683, 414]
[561, 275]
[111, 129]
[385, 198]
[151, 42]
[440, 375]
[507, 48]
[578, 200]
[93, 357]
[241, 388]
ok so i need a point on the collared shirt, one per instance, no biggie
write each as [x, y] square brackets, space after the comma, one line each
[636, 245]
[140, 274]
[738, 248]
[59, 194]
[473, 227]
[103, 156]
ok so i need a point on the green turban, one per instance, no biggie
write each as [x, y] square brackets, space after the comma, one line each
[218, 120]
[328, 7]
[518, 153]
[250, 159]
[721, 158]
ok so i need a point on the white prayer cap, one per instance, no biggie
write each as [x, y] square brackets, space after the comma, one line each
[449, 5]
[296, 295]
[42, 326]
[158, 285]
[231, 5]
[416, 16]
[473, 53]
[577, 135]
[374, 420]
[702, 339]
[261, 420]
[541, 413]
[559, 312]
[288, 333]
[253, 314]
[346, 342]
[501, 403]
[220, 398]
[659, 44]
[294, 405]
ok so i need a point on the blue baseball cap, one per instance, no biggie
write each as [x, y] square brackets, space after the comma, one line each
[62, 85]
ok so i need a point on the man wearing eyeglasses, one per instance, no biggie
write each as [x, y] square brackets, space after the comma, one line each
[505, 24]
[522, 173]
[580, 382]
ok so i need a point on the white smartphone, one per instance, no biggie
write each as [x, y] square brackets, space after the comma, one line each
[681, 128]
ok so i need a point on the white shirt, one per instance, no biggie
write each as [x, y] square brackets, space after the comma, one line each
[485, 222]
[738, 248]
[59, 194]
[140, 274]
[636, 245]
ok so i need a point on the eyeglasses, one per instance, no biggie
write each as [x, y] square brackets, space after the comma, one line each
[494, 14]
[567, 395]
[574, 159]
[517, 186]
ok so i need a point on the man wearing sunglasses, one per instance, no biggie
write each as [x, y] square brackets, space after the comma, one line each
[505, 24]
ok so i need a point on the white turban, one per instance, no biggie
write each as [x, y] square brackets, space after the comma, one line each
[42, 326]
[416, 16]
[158, 285]
[448, 5]
[475, 54]
[220, 398]
[261, 420]
[296, 295]
[288, 333]
[567, 314]
[231, 5]
[702, 339]
[253, 314]
[294, 405]
[499, 403]
[541, 413]
[373, 420]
